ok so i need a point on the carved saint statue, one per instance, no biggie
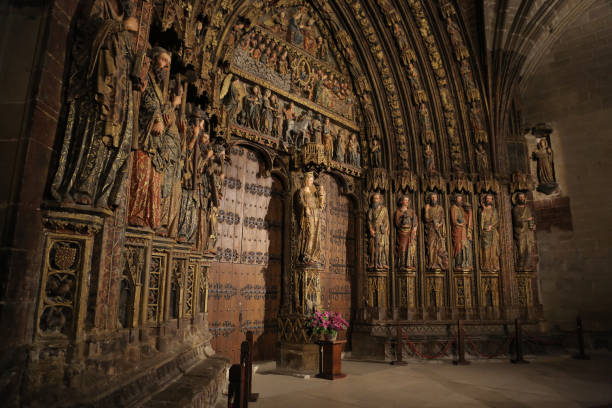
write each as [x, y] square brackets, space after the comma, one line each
[406, 223]
[188, 215]
[376, 153]
[170, 151]
[524, 238]
[215, 175]
[353, 155]
[340, 146]
[147, 165]
[310, 203]
[328, 139]
[98, 134]
[378, 224]
[203, 188]
[544, 158]
[430, 159]
[435, 234]
[482, 159]
[489, 236]
[461, 222]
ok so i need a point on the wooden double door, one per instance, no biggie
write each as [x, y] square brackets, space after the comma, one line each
[245, 284]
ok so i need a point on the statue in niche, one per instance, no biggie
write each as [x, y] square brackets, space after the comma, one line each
[308, 32]
[170, 151]
[316, 130]
[215, 175]
[544, 158]
[328, 139]
[265, 124]
[202, 156]
[318, 87]
[188, 215]
[340, 146]
[283, 62]
[435, 234]
[310, 203]
[98, 134]
[369, 117]
[148, 165]
[425, 121]
[489, 236]
[430, 159]
[353, 155]
[294, 30]
[378, 225]
[277, 116]
[406, 223]
[524, 233]
[413, 77]
[462, 232]
[482, 159]
[231, 95]
[253, 108]
[322, 51]
[476, 119]
[454, 32]
[376, 153]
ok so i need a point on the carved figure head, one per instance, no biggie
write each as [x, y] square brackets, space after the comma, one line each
[308, 179]
[403, 202]
[377, 200]
[433, 199]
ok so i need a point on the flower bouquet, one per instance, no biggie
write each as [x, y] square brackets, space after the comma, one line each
[327, 323]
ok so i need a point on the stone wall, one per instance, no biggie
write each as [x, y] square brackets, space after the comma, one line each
[571, 90]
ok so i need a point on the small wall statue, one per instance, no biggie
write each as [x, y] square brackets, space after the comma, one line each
[524, 233]
[378, 225]
[546, 176]
[435, 234]
[99, 125]
[406, 223]
[489, 235]
[311, 200]
[462, 232]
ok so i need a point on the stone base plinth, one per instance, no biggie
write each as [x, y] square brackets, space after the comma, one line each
[299, 358]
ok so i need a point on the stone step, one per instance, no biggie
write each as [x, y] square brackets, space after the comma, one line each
[200, 387]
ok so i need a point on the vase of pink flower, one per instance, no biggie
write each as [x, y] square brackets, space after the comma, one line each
[327, 323]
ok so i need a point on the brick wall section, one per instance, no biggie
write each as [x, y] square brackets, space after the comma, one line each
[34, 38]
[553, 212]
[572, 90]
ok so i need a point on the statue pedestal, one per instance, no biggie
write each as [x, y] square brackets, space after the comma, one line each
[299, 358]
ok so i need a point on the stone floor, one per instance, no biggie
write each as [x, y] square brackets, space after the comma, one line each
[546, 382]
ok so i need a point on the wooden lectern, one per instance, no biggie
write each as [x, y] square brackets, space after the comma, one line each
[331, 359]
